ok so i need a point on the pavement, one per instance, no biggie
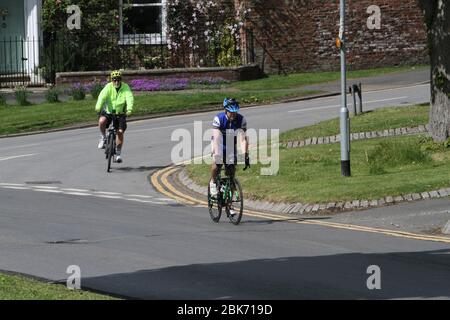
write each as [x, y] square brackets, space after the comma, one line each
[388, 81]
[60, 207]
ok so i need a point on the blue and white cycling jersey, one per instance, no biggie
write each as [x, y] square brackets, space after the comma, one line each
[228, 129]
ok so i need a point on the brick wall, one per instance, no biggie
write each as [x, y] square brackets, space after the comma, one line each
[300, 34]
[249, 72]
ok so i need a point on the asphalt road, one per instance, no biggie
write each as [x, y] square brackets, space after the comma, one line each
[59, 207]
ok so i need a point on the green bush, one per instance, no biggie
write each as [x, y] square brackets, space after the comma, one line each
[78, 92]
[51, 95]
[152, 62]
[95, 89]
[228, 56]
[74, 49]
[21, 94]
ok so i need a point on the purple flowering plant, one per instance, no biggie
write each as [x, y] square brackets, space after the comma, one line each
[77, 91]
[172, 84]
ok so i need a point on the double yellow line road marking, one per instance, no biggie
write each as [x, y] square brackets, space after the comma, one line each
[162, 184]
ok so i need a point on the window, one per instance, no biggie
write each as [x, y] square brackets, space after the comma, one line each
[145, 21]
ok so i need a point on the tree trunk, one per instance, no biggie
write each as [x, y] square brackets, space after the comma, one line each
[437, 18]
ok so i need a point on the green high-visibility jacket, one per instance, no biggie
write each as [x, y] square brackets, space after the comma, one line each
[120, 102]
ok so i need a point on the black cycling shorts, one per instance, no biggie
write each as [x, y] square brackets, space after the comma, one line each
[230, 168]
[122, 120]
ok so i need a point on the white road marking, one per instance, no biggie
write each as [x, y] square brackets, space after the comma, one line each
[17, 188]
[108, 193]
[106, 196]
[84, 192]
[399, 88]
[75, 190]
[20, 156]
[145, 201]
[138, 196]
[44, 187]
[165, 199]
[48, 190]
[22, 146]
[78, 193]
[338, 105]
[382, 100]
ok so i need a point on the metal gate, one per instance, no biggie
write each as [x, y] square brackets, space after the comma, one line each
[19, 62]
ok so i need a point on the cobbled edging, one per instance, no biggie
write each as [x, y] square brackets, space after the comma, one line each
[319, 208]
[357, 136]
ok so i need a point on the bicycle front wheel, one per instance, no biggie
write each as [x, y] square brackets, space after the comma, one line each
[214, 207]
[235, 203]
[110, 151]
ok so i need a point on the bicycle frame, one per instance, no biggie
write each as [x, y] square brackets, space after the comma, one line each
[224, 185]
[110, 149]
[228, 189]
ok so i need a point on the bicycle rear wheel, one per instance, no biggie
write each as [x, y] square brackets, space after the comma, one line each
[110, 151]
[214, 207]
[235, 203]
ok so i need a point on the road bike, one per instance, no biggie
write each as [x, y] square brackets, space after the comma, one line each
[229, 197]
[110, 149]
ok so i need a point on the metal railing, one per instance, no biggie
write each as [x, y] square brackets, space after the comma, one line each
[35, 62]
[19, 61]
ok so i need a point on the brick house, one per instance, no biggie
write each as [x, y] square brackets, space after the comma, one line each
[299, 35]
[279, 35]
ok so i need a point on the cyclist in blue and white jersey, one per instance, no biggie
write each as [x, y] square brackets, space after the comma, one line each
[228, 126]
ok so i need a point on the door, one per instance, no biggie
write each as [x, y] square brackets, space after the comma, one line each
[12, 34]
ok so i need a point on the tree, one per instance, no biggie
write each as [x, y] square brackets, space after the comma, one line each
[437, 19]
[74, 50]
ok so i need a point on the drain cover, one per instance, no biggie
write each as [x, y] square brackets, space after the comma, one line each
[69, 241]
[176, 205]
[43, 182]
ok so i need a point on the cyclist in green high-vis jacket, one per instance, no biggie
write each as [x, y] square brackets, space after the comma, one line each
[116, 97]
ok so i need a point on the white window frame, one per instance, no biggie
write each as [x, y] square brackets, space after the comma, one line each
[144, 38]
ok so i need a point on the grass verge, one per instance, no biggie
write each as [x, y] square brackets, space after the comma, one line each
[380, 119]
[274, 82]
[19, 119]
[380, 167]
[13, 287]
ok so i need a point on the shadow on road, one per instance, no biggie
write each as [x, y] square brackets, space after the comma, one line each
[404, 275]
